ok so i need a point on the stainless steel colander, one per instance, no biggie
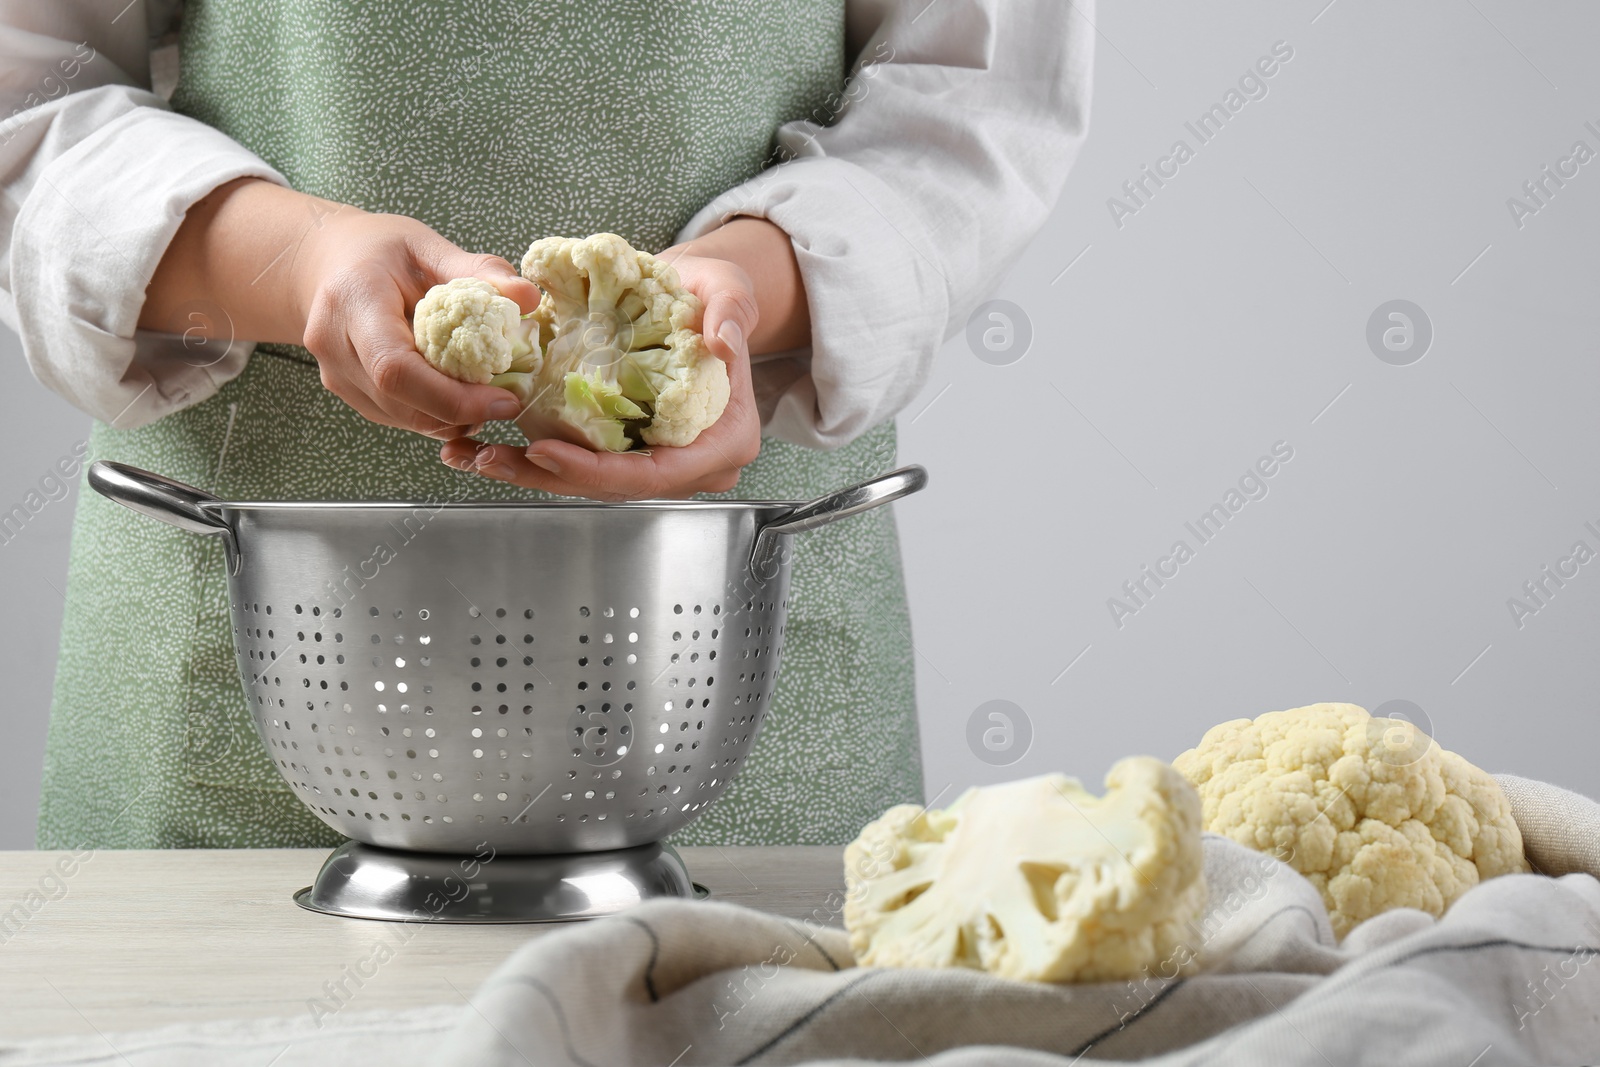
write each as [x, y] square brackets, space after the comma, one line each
[530, 678]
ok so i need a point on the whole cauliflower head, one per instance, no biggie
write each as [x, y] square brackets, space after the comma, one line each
[468, 330]
[624, 357]
[1038, 880]
[1372, 811]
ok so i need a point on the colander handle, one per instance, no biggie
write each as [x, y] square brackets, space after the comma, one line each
[162, 498]
[833, 507]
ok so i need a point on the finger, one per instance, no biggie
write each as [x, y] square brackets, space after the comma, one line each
[328, 338]
[403, 382]
[721, 482]
[635, 481]
[446, 261]
[461, 433]
[460, 452]
[731, 312]
[523, 472]
[613, 477]
[352, 394]
[717, 483]
[510, 284]
[507, 463]
[658, 472]
[449, 433]
[384, 409]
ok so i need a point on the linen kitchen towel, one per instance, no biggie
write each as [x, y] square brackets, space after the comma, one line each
[1509, 975]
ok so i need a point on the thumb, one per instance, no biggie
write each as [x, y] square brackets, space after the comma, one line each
[730, 318]
[494, 270]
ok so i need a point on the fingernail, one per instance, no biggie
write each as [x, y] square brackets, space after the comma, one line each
[457, 462]
[494, 470]
[505, 409]
[474, 430]
[546, 462]
[731, 334]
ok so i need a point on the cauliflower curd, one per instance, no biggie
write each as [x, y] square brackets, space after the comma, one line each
[472, 333]
[1037, 880]
[612, 356]
[1375, 814]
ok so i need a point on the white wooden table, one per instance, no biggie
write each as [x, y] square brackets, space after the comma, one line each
[133, 940]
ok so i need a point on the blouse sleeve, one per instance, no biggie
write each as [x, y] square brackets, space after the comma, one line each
[912, 197]
[98, 173]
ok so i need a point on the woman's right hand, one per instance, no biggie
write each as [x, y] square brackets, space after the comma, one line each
[290, 268]
[359, 279]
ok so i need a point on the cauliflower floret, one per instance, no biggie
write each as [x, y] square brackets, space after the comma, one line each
[468, 330]
[1374, 813]
[1037, 880]
[620, 322]
[689, 384]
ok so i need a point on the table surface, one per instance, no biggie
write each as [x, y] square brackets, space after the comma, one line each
[134, 940]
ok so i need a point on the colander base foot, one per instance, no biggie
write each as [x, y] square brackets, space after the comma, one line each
[361, 881]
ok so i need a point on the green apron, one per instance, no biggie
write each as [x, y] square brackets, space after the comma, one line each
[494, 121]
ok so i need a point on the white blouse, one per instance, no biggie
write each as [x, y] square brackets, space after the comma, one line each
[947, 154]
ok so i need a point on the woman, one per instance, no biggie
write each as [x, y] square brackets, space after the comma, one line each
[226, 283]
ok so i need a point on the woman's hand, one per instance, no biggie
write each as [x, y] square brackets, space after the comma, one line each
[745, 274]
[710, 465]
[286, 267]
[359, 279]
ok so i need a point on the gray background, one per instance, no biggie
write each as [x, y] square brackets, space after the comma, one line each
[1169, 354]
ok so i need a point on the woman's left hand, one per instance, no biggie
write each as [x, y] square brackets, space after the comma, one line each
[711, 464]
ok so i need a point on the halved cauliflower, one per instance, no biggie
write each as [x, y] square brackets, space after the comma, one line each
[1037, 880]
[468, 330]
[1373, 812]
[621, 357]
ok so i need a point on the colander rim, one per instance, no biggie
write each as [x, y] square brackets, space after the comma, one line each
[500, 505]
